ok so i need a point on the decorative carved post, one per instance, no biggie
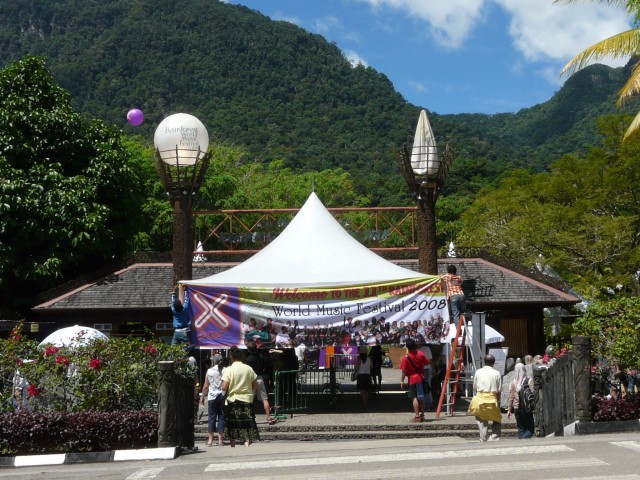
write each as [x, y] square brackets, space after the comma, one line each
[538, 414]
[167, 434]
[581, 358]
[185, 412]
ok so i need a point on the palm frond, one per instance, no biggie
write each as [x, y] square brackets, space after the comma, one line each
[615, 3]
[632, 131]
[631, 87]
[621, 45]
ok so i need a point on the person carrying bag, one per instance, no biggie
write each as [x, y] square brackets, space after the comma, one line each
[412, 367]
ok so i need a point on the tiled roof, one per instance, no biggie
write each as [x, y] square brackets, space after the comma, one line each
[149, 285]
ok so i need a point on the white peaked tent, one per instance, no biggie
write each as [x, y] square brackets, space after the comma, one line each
[314, 250]
[424, 154]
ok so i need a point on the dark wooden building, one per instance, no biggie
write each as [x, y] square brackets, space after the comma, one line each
[136, 299]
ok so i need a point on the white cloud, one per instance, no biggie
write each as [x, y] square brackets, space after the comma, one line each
[450, 22]
[417, 86]
[288, 18]
[544, 31]
[326, 24]
[354, 58]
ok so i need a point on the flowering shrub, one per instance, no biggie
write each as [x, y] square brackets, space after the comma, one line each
[87, 431]
[99, 375]
[620, 408]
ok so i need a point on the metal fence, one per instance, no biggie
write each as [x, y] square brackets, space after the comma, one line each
[555, 397]
[293, 388]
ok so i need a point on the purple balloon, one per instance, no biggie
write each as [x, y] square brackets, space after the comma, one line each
[135, 117]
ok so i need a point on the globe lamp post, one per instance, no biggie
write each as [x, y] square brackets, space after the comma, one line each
[181, 142]
[425, 168]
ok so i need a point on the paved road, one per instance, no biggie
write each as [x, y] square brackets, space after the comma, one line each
[598, 457]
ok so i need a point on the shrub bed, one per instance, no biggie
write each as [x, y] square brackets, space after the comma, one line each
[87, 431]
[622, 408]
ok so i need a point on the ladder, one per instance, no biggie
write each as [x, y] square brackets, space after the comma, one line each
[454, 366]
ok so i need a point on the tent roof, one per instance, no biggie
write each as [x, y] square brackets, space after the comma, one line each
[314, 250]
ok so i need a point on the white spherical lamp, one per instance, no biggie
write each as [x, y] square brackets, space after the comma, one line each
[181, 140]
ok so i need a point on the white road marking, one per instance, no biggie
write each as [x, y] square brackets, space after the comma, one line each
[391, 457]
[631, 445]
[632, 476]
[462, 469]
[145, 473]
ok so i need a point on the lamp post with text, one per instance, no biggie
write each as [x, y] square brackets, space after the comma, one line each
[425, 169]
[181, 142]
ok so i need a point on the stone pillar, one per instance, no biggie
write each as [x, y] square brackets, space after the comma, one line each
[167, 433]
[581, 358]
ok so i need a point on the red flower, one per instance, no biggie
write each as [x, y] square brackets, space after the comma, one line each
[18, 362]
[95, 364]
[545, 359]
[50, 351]
[150, 349]
[61, 359]
[33, 391]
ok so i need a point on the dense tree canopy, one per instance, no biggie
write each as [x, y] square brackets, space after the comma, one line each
[582, 218]
[68, 198]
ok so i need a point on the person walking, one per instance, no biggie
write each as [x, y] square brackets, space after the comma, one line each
[524, 419]
[455, 294]
[363, 375]
[212, 391]
[239, 383]
[485, 404]
[375, 353]
[412, 367]
[262, 367]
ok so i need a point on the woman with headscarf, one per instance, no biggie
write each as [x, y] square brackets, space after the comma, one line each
[239, 383]
[524, 419]
[212, 390]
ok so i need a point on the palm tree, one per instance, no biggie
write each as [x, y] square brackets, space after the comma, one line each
[625, 44]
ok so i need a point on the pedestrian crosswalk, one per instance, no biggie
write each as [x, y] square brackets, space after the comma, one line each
[538, 461]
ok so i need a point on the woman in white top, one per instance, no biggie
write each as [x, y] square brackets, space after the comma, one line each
[363, 374]
[213, 392]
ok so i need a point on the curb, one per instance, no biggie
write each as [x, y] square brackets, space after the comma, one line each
[91, 457]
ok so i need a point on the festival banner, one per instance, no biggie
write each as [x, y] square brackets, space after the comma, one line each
[224, 316]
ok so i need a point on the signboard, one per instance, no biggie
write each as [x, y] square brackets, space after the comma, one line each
[223, 316]
[500, 354]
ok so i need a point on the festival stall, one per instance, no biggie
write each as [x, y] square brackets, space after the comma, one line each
[314, 275]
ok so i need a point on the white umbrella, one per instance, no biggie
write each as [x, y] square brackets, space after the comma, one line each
[73, 336]
[491, 335]
[424, 155]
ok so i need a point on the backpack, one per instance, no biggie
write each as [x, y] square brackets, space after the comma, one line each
[526, 397]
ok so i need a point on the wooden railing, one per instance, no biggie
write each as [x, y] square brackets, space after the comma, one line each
[382, 229]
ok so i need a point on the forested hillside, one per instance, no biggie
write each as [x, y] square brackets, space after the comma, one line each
[279, 91]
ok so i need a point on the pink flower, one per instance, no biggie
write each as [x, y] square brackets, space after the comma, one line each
[545, 359]
[150, 349]
[95, 364]
[61, 359]
[34, 391]
[50, 351]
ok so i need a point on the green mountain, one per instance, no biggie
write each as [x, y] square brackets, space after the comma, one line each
[279, 91]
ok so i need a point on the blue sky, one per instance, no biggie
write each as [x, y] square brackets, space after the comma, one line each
[458, 56]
